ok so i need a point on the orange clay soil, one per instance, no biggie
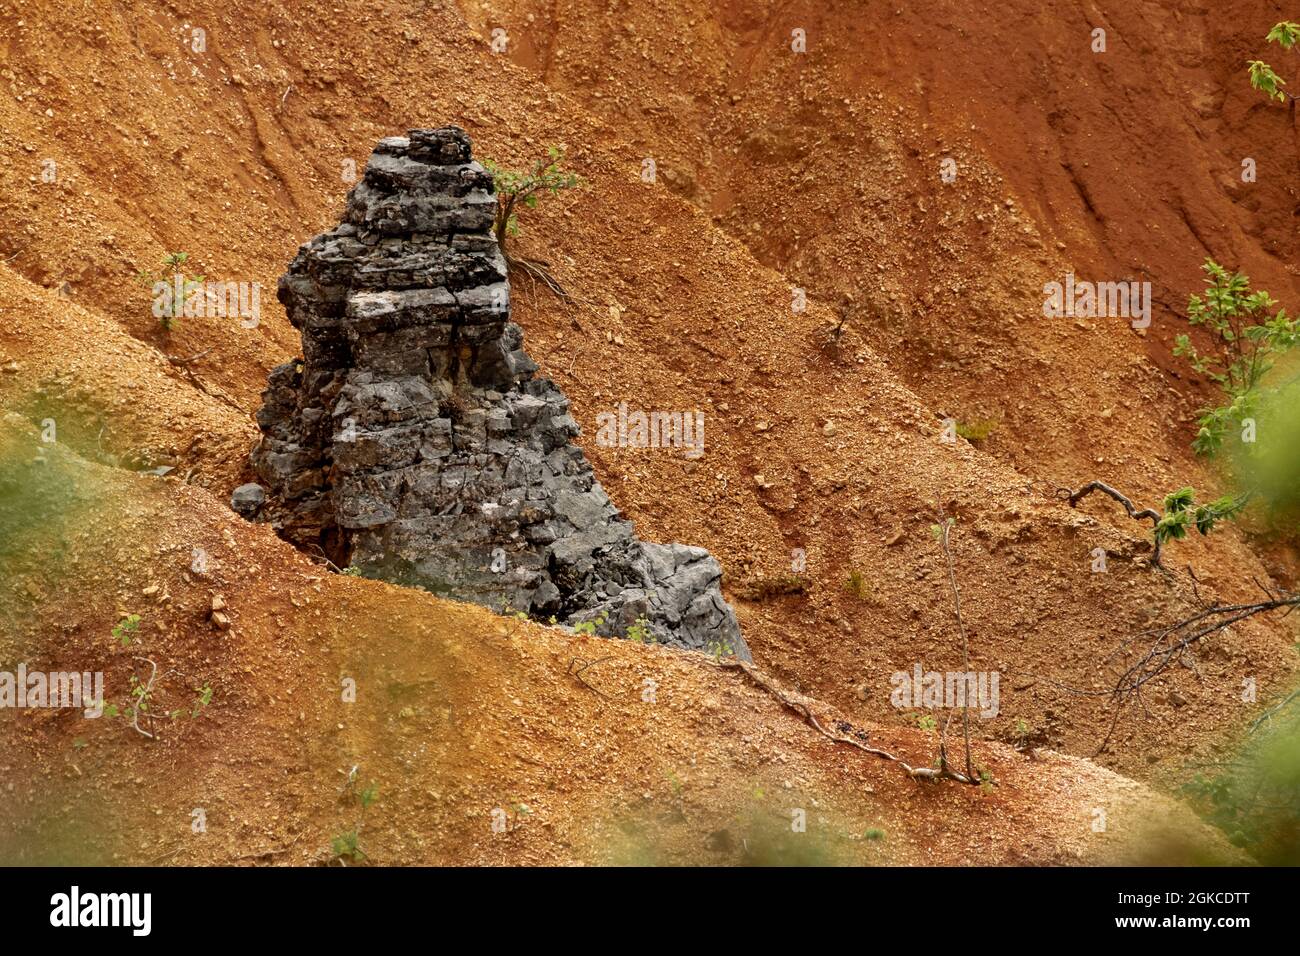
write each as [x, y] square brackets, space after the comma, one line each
[642, 755]
[818, 170]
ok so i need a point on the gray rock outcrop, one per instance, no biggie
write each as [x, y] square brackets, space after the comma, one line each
[414, 441]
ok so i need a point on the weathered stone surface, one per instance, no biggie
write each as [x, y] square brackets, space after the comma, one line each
[413, 440]
[248, 499]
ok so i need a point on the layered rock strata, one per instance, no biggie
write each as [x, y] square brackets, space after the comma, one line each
[414, 440]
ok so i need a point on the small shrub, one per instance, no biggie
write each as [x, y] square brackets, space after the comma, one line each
[524, 188]
[125, 628]
[170, 280]
[978, 430]
[589, 627]
[1020, 736]
[857, 585]
[1247, 338]
[765, 588]
[720, 648]
[348, 845]
[640, 632]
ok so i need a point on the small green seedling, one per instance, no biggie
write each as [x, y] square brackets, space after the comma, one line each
[171, 288]
[125, 628]
[640, 631]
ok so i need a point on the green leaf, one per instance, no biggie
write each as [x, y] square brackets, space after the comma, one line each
[1265, 80]
[1285, 34]
[1179, 500]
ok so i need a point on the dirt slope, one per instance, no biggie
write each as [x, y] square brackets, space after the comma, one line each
[646, 755]
[774, 171]
[1123, 164]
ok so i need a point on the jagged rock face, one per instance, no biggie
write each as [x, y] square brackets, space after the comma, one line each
[414, 440]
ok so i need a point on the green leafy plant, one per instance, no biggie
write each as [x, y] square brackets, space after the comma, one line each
[1181, 514]
[1266, 81]
[640, 632]
[939, 531]
[171, 270]
[1247, 335]
[720, 648]
[516, 188]
[1271, 466]
[142, 703]
[369, 795]
[523, 189]
[125, 628]
[1020, 734]
[348, 845]
[1285, 34]
[202, 700]
[978, 430]
[589, 627]
[1253, 793]
[141, 694]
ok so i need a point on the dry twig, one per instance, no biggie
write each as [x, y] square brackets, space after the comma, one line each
[944, 527]
[1073, 497]
[1174, 644]
[577, 674]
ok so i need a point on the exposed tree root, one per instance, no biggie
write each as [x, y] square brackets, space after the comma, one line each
[184, 364]
[798, 705]
[539, 272]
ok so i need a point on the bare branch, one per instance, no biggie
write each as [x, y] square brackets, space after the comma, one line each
[1073, 497]
[144, 697]
[1173, 644]
[944, 527]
